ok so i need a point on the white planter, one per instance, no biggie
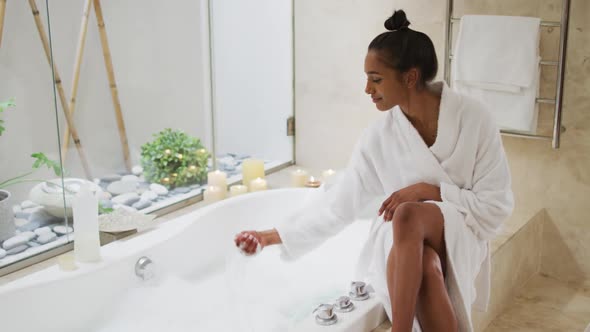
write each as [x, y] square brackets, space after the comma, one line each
[7, 227]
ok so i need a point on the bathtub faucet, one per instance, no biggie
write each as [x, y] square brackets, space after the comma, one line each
[144, 268]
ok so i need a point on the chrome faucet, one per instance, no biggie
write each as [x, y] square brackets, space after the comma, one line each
[324, 314]
[144, 268]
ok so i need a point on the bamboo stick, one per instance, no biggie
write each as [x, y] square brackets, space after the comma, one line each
[60, 90]
[76, 77]
[111, 75]
[2, 11]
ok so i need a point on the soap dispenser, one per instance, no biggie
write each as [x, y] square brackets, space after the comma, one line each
[86, 236]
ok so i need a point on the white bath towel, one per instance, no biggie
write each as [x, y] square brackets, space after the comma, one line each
[498, 52]
[496, 60]
[467, 161]
[517, 111]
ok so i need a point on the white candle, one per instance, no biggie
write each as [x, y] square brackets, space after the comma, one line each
[258, 184]
[327, 174]
[213, 194]
[298, 178]
[237, 190]
[252, 169]
[217, 178]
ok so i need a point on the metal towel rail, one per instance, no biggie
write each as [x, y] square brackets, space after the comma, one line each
[560, 64]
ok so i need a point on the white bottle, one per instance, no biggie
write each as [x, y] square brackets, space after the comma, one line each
[86, 237]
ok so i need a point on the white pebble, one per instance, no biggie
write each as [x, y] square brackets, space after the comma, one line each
[16, 208]
[137, 170]
[158, 189]
[63, 230]
[27, 205]
[130, 178]
[43, 230]
[28, 235]
[46, 238]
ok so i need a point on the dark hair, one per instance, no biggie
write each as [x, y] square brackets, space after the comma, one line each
[402, 48]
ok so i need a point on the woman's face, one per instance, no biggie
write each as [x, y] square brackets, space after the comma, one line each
[384, 84]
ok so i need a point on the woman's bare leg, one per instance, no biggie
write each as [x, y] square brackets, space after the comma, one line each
[414, 226]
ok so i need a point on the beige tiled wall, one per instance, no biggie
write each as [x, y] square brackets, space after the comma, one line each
[331, 40]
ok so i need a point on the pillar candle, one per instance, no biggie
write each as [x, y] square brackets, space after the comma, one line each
[213, 194]
[238, 189]
[258, 184]
[299, 178]
[217, 178]
[252, 169]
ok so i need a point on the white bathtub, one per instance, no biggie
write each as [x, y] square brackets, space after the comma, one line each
[202, 283]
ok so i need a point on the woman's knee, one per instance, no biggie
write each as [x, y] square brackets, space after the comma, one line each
[432, 270]
[404, 222]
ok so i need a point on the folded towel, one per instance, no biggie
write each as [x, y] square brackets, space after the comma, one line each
[498, 52]
[512, 111]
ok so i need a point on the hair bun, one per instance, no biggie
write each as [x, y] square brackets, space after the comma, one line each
[397, 21]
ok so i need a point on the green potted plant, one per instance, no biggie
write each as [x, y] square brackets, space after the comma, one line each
[7, 227]
[174, 159]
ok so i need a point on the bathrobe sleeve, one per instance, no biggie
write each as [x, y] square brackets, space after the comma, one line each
[489, 202]
[332, 210]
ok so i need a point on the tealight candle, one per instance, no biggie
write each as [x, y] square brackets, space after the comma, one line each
[213, 194]
[217, 178]
[299, 178]
[238, 189]
[252, 169]
[258, 184]
[313, 183]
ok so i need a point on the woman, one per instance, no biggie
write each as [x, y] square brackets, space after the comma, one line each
[438, 158]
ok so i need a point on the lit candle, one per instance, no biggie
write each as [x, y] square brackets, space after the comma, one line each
[298, 178]
[258, 184]
[213, 194]
[252, 169]
[312, 183]
[327, 174]
[238, 189]
[217, 178]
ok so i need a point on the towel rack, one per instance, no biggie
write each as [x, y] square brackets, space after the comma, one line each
[560, 64]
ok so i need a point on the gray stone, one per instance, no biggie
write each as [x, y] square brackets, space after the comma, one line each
[126, 199]
[43, 230]
[149, 196]
[62, 230]
[137, 170]
[111, 178]
[33, 244]
[122, 187]
[28, 235]
[17, 250]
[2, 253]
[181, 190]
[18, 222]
[46, 238]
[142, 204]
[22, 215]
[195, 186]
[14, 241]
[158, 189]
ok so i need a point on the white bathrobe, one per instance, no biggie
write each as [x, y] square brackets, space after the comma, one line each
[467, 161]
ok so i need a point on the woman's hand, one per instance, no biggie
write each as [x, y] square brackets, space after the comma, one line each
[252, 242]
[249, 242]
[415, 193]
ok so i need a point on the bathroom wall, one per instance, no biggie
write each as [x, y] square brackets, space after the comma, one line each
[332, 110]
